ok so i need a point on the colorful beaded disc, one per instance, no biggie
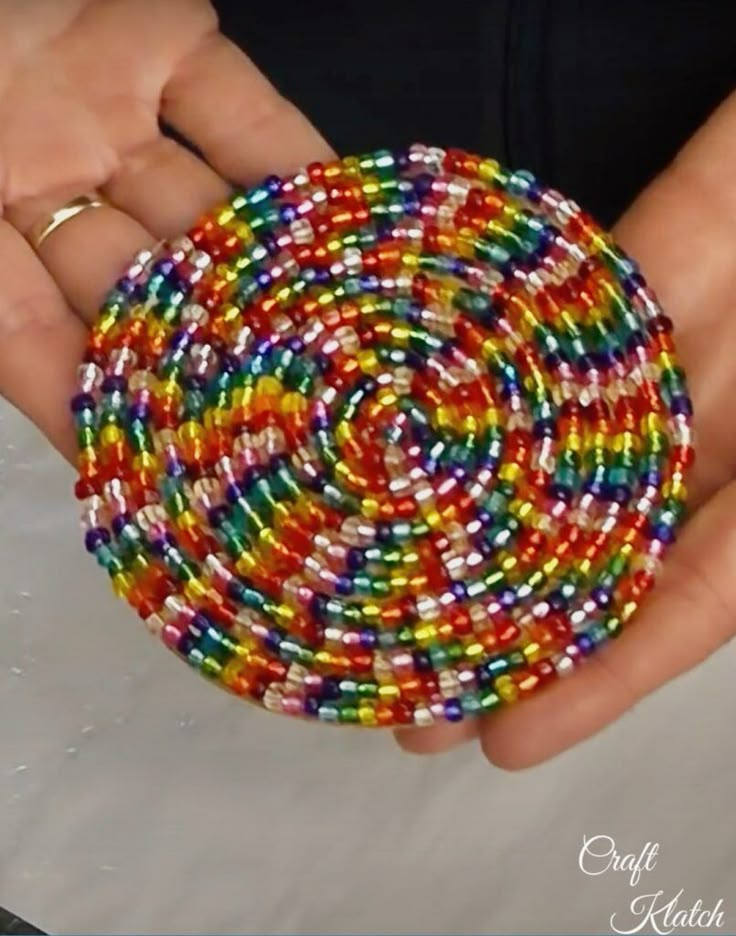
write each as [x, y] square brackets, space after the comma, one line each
[399, 439]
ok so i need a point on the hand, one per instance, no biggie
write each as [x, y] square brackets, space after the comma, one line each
[682, 230]
[83, 86]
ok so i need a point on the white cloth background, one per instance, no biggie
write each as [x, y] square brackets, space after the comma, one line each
[136, 798]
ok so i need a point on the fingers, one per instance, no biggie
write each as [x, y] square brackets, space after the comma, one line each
[246, 130]
[689, 616]
[682, 230]
[683, 226]
[86, 255]
[165, 187]
[41, 342]
[437, 738]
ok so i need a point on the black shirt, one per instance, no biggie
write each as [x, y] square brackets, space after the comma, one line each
[594, 96]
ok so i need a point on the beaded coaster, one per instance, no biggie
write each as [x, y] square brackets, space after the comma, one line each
[399, 439]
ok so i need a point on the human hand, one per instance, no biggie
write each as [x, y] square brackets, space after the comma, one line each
[682, 231]
[83, 86]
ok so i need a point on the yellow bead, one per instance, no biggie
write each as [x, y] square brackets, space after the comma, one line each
[370, 508]
[111, 435]
[388, 692]
[367, 361]
[506, 688]
[122, 583]
[425, 634]
[510, 472]
[269, 386]
[367, 715]
[187, 520]
[194, 589]
[488, 169]
[245, 564]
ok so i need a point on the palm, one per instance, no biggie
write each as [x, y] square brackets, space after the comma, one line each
[83, 86]
[682, 230]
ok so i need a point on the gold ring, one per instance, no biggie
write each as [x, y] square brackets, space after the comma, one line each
[44, 228]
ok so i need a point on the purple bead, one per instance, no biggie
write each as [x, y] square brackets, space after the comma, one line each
[584, 644]
[601, 596]
[423, 184]
[126, 286]
[120, 521]
[81, 402]
[199, 624]
[319, 422]
[422, 661]
[180, 340]
[507, 598]
[459, 591]
[159, 546]
[273, 640]
[368, 638]
[139, 412]
[233, 493]
[681, 406]
[217, 515]
[114, 384]
[96, 538]
[164, 267]
[318, 605]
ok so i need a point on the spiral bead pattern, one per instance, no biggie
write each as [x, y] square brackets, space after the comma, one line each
[399, 439]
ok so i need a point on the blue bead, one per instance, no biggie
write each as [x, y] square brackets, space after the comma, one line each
[344, 585]
[318, 605]
[384, 532]
[584, 644]
[330, 688]
[355, 559]
[273, 183]
[662, 532]
[288, 213]
[453, 710]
